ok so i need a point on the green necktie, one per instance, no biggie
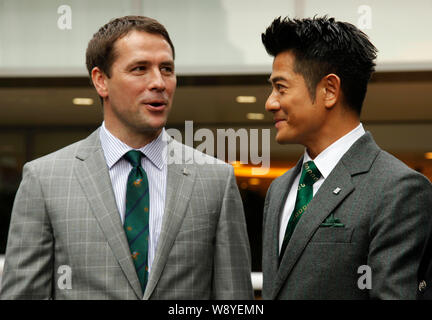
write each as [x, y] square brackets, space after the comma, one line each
[136, 222]
[309, 176]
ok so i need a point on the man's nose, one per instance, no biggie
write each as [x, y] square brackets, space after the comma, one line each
[272, 104]
[157, 81]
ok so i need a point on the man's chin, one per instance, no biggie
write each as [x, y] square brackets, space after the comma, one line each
[146, 126]
[150, 129]
[284, 140]
[288, 140]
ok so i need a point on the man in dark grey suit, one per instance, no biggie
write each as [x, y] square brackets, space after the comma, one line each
[349, 221]
[425, 270]
[128, 213]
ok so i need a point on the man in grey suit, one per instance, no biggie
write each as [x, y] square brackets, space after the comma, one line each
[349, 221]
[70, 233]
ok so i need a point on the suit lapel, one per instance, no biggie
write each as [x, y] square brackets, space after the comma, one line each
[276, 205]
[358, 159]
[319, 208]
[92, 173]
[180, 182]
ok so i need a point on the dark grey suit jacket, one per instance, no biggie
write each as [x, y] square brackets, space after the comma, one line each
[65, 214]
[425, 270]
[385, 208]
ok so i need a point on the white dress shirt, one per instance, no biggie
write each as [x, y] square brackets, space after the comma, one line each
[325, 162]
[155, 165]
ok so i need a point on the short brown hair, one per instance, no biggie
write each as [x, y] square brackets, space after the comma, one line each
[100, 51]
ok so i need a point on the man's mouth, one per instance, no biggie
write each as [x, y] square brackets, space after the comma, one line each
[278, 122]
[155, 105]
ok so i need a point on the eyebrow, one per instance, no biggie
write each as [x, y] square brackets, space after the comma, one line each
[168, 63]
[276, 79]
[146, 62]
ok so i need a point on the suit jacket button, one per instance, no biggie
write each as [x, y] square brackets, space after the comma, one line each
[422, 285]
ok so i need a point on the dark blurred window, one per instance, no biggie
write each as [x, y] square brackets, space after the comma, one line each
[253, 203]
[12, 156]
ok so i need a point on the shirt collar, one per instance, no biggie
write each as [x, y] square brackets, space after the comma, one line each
[114, 149]
[329, 157]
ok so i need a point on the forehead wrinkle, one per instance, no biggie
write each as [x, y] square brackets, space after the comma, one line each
[138, 47]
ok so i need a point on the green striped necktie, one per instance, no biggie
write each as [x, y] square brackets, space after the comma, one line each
[310, 174]
[136, 222]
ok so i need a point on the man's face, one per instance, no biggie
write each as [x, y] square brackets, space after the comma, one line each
[140, 91]
[297, 119]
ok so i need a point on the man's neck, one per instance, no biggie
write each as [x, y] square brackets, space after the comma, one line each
[132, 138]
[328, 136]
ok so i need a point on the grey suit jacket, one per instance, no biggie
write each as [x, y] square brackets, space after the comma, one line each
[385, 208]
[65, 215]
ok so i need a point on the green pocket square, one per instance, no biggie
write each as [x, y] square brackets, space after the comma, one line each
[331, 221]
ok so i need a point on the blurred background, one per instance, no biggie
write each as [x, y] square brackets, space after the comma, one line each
[47, 102]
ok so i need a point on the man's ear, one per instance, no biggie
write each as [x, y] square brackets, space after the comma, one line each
[99, 81]
[331, 90]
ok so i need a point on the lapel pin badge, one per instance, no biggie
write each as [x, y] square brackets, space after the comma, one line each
[337, 190]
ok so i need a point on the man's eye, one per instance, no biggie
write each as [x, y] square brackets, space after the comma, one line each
[139, 68]
[167, 69]
[279, 87]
